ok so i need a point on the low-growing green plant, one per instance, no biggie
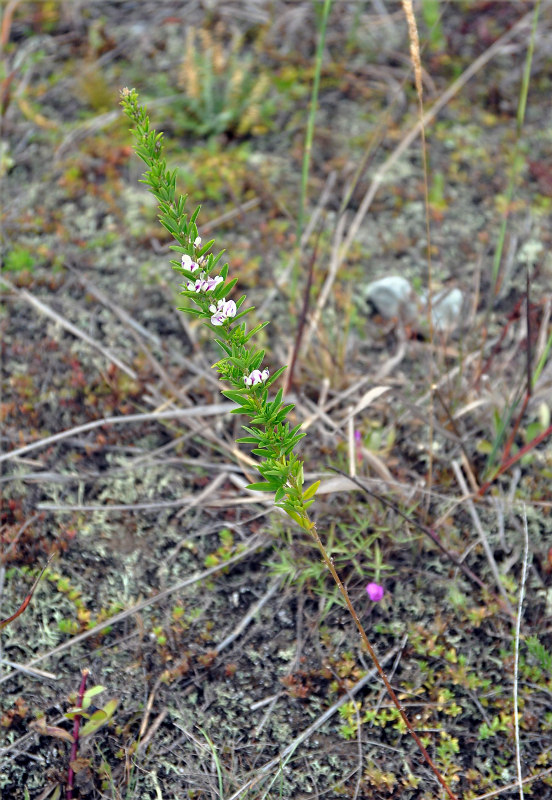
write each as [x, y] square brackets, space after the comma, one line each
[354, 546]
[18, 260]
[540, 654]
[223, 90]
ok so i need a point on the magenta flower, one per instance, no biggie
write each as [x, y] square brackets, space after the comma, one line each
[375, 592]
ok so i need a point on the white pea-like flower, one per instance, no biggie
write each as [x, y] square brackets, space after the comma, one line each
[202, 283]
[188, 263]
[212, 283]
[255, 377]
[224, 309]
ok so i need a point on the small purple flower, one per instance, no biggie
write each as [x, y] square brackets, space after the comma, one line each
[375, 592]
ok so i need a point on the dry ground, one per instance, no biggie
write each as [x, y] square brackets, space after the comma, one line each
[197, 607]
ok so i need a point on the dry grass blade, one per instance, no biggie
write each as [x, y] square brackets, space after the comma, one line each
[282, 757]
[23, 294]
[197, 578]
[482, 537]
[198, 411]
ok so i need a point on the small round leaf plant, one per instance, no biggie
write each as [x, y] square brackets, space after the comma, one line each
[207, 286]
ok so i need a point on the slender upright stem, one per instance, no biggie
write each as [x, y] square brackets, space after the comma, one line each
[371, 652]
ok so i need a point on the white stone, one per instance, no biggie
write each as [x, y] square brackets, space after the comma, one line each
[392, 297]
[446, 309]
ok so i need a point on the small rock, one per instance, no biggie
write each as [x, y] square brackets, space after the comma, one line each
[392, 297]
[446, 309]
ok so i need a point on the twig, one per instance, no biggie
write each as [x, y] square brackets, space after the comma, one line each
[152, 730]
[197, 411]
[33, 673]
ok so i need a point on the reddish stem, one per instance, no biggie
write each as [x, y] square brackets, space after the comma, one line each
[517, 423]
[509, 462]
[75, 745]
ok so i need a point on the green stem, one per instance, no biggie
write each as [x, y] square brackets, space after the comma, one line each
[522, 104]
[310, 129]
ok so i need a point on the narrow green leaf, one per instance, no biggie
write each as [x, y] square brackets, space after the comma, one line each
[311, 491]
[99, 718]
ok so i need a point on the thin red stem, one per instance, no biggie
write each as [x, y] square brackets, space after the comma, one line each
[511, 461]
[517, 423]
[373, 656]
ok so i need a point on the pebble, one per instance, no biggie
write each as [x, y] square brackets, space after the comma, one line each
[393, 296]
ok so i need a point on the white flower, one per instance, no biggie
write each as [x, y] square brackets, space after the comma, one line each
[255, 377]
[199, 285]
[188, 264]
[202, 283]
[212, 283]
[197, 242]
[224, 309]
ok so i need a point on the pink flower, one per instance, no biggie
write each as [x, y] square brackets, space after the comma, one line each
[375, 592]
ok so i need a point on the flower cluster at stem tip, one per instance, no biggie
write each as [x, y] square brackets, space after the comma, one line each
[207, 285]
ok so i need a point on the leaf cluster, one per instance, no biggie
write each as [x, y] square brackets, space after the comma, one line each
[269, 432]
